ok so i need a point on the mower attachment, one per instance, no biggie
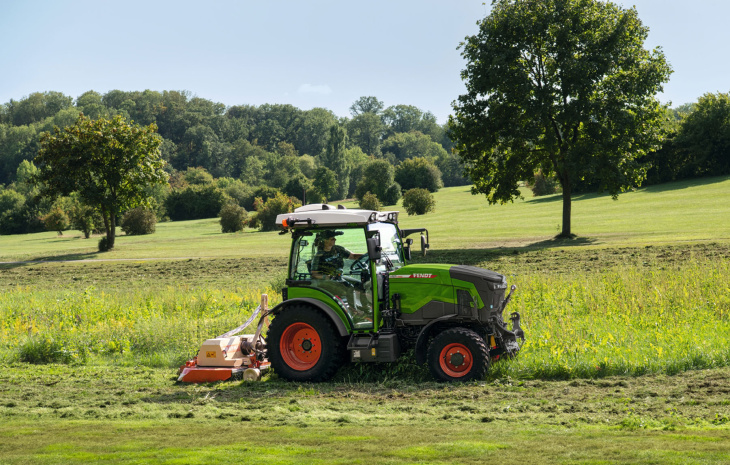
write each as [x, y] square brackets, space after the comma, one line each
[230, 357]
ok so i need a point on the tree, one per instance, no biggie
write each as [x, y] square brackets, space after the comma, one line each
[334, 158]
[402, 118]
[312, 131]
[325, 182]
[366, 130]
[452, 170]
[377, 177]
[412, 144]
[56, 220]
[564, 86]
[197, 176]
[108, 162]
[83, 217]
[297, 187]
[704, 137]
[366, 105]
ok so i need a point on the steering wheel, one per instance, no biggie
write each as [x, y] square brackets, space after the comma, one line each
[361, 264]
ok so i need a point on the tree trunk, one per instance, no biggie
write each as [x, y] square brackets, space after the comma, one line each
[112, 232]
[109, 225]
[566, 234]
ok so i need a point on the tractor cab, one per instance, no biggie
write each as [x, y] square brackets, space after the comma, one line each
[341, 257]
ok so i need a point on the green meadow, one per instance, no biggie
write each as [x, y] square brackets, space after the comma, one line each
[625, 360]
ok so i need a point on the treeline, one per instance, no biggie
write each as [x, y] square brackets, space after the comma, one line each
[221, 154]
[697, 145]
[218, 153]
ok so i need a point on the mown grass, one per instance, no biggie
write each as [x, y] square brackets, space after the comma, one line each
[101, 414]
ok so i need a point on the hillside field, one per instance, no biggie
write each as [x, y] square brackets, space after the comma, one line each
[626, 359]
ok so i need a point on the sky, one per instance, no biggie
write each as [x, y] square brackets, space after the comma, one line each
[307, 53]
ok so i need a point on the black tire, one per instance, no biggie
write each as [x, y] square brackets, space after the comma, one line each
[458, 354]
[303, 345]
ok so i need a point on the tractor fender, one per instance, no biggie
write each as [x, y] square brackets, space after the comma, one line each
[341, 328]
[421, 347]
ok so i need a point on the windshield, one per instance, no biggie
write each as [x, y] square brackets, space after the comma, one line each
[390, 243]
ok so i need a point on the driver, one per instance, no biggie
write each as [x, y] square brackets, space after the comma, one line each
[329, 259]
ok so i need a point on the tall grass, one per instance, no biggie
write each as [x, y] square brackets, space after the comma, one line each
[155, 327]
[623, 321]
[626, 320]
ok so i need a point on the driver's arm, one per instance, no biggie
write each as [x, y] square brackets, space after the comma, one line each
[319, 275]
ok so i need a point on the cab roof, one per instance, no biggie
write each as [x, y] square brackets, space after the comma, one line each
[321, 215]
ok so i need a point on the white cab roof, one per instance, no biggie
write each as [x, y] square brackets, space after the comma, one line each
[325, 215]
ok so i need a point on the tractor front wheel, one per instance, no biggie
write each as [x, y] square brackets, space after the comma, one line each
[303, 345]
[458, 354]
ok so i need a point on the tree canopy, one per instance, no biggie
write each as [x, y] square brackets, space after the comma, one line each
[108, 162]
[562, 86]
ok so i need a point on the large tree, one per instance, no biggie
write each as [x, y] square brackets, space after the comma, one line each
[108, 162]
[564, 86]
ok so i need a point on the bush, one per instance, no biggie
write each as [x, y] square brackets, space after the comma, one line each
[56, 220]
[392, 194]
[139, 221]
[104, 244]
[418, 201]
[233, 218]
[542, 185]
[370, 202]
[266, 211]
[40, 349]
[194, 202]
[418, 172]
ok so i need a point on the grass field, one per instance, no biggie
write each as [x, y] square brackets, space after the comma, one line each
[626, 359]
[666, 214]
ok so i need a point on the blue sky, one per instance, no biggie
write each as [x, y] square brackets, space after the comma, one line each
[308, 53]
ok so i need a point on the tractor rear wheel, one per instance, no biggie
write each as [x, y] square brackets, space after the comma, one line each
[458, 354]
[303, 345]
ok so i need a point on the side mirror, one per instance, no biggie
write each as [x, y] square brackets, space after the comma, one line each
[373, 244]
[407, 248]
[424, 245]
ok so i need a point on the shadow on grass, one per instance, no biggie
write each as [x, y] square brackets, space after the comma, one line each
[678, 185]
[574, 198]
[52, 258]
[656, 188]
[476, 256]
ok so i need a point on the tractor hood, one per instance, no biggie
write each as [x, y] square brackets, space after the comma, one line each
[432, 274]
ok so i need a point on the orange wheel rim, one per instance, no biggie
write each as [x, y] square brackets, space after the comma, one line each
[456, 360]
[300, 346]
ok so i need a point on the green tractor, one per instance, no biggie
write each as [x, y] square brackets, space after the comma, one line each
[351, 295]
